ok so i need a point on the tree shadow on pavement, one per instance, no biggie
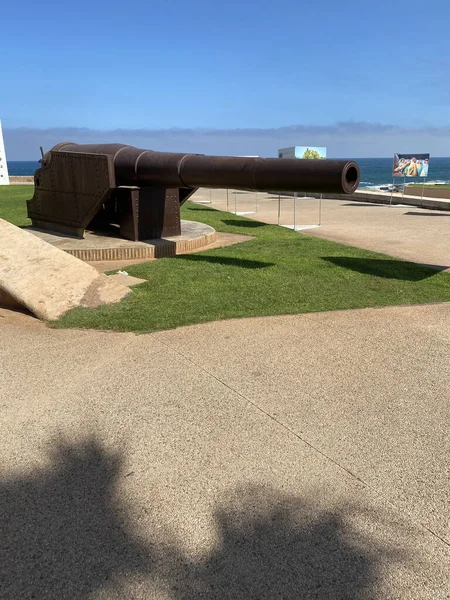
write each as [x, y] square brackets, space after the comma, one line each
[62, 534]
[272, 545]
[65, 534]
[388, 269]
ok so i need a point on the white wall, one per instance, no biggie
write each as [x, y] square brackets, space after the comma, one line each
[286, 152]
[4, 178]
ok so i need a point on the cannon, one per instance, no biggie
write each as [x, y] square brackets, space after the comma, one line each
[88, 186]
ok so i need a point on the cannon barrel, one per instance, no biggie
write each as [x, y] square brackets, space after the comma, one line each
[134, 166]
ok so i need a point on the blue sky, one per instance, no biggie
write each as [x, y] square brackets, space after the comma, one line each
[202, 67]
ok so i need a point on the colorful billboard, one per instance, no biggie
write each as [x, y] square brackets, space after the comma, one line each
[310, 152]
[410, 165]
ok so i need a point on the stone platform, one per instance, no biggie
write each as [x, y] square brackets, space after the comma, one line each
[97, 247]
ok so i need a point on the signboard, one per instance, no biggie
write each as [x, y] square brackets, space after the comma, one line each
[4, 178]
[309, 152]
[410, 165]
[286, 152]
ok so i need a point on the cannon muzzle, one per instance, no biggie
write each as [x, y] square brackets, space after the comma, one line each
[142, 190]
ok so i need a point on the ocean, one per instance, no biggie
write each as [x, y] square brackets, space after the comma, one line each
[22, 167]
[375, 172]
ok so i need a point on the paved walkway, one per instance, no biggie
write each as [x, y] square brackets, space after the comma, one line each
[292, 457]
[288, 457]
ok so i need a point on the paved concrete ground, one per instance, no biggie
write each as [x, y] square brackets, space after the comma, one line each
[288, 457]
[402, 231]
[293, 457]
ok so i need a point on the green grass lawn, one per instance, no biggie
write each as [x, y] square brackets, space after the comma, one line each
[13, 203]
[277, 272]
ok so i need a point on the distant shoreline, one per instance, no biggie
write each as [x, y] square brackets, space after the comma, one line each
[22, 179]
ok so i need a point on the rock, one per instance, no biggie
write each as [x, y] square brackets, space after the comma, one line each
[46, 280]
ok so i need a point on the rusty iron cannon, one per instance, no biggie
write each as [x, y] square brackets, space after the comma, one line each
[88, 186]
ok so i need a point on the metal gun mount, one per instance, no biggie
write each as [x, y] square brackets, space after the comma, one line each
[89, 186]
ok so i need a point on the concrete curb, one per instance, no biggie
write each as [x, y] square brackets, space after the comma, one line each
[379, 198]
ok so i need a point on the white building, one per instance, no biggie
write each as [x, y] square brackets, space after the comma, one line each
[287, 152]
[4, 177]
